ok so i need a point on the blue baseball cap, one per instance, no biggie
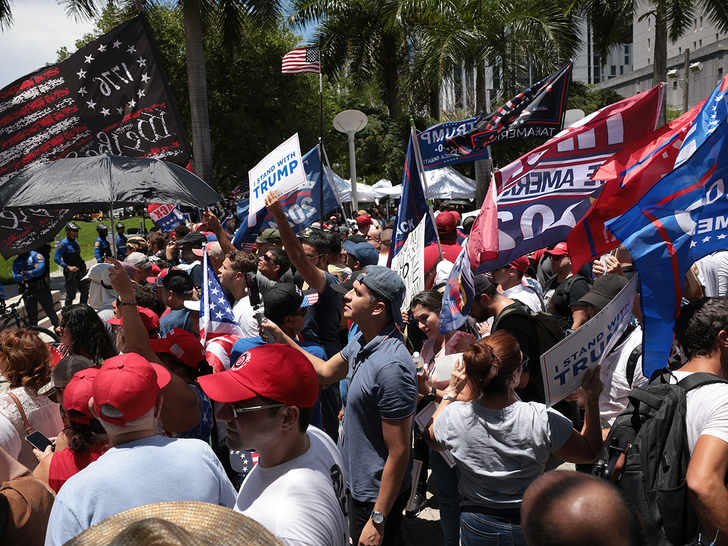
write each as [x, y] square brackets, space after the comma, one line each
[364, 253]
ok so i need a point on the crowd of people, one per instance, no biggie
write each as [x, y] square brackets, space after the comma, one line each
[305, 420]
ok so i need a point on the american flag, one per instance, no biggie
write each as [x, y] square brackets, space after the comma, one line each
[216, 315]
[303, 59]
[110, 97]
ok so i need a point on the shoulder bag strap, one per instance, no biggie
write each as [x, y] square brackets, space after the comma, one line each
[28, 428]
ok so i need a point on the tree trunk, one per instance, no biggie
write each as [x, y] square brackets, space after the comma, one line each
[659, 70]
[483, 167]
[197, 82]
[391, 75]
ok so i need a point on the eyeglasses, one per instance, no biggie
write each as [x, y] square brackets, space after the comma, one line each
[371, 238]
[268, 258]
[314, 257]
[237, 411]
[525, 360]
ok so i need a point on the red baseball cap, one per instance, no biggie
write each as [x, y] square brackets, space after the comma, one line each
[559, 250]
[157, 281]
[446, 222]
[521, 264]
[149, 318]
[77, 394]
[129, 383]
[181, 344]
[364, 219]
[275, 371]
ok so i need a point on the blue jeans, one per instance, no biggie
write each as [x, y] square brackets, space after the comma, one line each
[481, 529]
[448, 497]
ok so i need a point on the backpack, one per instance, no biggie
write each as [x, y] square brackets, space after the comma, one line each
[653, 433]
[548, 331]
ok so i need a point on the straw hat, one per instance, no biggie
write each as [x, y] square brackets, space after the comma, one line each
[177, 524]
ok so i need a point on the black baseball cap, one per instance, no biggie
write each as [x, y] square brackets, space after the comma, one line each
[178, 281]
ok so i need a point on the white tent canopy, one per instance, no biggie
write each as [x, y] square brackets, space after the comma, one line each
[343, 187]
[445, 183]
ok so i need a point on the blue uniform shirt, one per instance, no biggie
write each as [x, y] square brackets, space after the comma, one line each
[102, 248]
[65, 246]
[121, 245]
[28, 266]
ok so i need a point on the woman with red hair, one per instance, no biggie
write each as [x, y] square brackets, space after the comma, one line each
[501, 444]
[25, 363]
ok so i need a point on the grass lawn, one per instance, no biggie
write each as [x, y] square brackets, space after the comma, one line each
[86, 238]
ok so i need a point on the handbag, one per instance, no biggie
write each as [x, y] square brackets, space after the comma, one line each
[28, 429]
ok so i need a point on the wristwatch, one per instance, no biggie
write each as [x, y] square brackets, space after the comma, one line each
[430, 396]
[448, 397]
[378, 518]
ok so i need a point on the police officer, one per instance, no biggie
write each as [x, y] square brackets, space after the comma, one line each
[102, 248]
[68, 257]
[120, 241]
[29, 271]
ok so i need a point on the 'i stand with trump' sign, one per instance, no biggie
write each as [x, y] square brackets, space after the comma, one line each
[564, 365]
[281, 170]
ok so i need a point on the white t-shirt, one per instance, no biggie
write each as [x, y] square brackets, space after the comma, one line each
[9, 437]
[524, 295]
[707, 411]
[302, 501]
[613, 399]
[713, 274]
[245, 317]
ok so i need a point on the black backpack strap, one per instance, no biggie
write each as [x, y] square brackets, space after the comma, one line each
[634, 356]
[698, 379]
[518, 310]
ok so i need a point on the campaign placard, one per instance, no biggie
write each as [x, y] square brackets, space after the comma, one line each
[564, 365]
[409, 264]
[431, 141]
[281, 170]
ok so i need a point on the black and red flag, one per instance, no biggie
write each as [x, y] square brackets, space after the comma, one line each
[110, 97]
[537, 112]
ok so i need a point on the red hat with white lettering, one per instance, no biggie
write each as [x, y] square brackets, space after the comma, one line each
[274, 371]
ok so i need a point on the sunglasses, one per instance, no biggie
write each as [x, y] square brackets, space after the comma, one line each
[237, 411]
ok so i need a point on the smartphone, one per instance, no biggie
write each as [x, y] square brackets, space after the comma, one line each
[38, 441]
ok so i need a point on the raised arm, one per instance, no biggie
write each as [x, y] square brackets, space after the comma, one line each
[307, 268]
[179, 411]
[214, 224]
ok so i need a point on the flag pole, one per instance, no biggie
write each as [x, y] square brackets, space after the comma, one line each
[321, 127]
[423, 180]
[332, 184]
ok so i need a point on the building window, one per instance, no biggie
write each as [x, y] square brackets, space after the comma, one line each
[720, 71]
[701, 23]
[626, 50]
[648, 61]
[621, 71]
[648, 23]
[612, 70]
[626, 59]
[648, 44]
[679, 51]
[700, 42]
[696, 25]
[674, 84]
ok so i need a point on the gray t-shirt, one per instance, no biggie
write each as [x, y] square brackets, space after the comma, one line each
[500, 452]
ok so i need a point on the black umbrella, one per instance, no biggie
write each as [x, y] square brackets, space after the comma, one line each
[51, 189]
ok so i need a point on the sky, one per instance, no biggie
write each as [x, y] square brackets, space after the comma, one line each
[40, 28]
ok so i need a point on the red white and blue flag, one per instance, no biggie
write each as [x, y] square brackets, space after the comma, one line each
[216, 315]
[110, 97]
[626, 177]
[543, 194]
[457, 301]
[681, 219]
[167, 217]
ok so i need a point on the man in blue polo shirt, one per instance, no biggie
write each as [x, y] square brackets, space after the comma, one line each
[377, 425]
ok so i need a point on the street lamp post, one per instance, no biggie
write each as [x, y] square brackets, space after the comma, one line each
[350, 122]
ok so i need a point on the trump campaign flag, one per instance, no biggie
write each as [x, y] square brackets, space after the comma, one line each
[301, 206]
[457, 300]
[432, 140]
[537, 112]
[110, 97]
[167, 217]
[626, 177]
[413, 207]
[542, 195]
[681, 219]
[216, 315]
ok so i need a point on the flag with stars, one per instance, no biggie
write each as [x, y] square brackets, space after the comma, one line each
[302, 59]
[683, 218]
[216, 315]
[110, 97]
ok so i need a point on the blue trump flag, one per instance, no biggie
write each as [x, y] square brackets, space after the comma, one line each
[457, 301]
[434, 155]
[683, 218]
[300, 206]
[413, 207]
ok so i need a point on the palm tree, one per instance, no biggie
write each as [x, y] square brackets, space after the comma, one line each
[229, 15]
[366, 39]
[611, 18]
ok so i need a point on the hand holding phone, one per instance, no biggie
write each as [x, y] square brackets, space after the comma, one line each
[38, 441]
